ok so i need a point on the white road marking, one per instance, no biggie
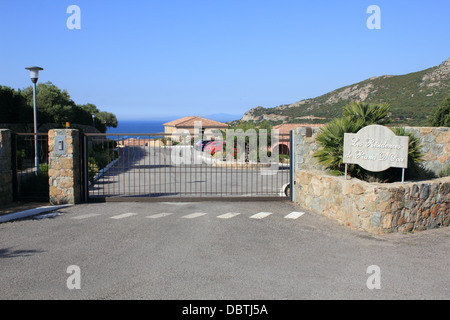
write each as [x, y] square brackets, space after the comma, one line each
[294, 215]
[159, 215]
[85, 216]
[228, 215]
[124, 215]
[177, 203]
[193, 215]
[261, 215]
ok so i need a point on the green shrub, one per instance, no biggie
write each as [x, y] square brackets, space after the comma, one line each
[101, 154]
[93, 168]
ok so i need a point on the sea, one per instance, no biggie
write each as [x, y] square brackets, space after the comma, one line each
[130, 127]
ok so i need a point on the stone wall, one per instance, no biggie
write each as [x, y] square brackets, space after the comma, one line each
[435, 147]
[373, 207]
[6, 190]
[304, 147]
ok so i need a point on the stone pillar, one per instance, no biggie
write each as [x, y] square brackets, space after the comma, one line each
[64, 166]
[304, 146]
[6, 189]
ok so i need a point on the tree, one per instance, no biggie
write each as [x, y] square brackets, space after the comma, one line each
[13, 107]
[441, 116]
[102, 119]
[366, 114]
[90, 108]
[53, 106]
[331, 140]
[108, 119]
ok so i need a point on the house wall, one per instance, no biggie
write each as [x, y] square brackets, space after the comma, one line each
[174, 132]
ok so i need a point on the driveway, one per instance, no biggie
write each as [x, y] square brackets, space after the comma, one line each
[214, 250]
[181, 171]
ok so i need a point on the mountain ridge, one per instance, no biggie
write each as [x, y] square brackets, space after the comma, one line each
[411, 96]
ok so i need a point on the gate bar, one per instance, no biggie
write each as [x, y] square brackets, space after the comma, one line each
[85, 168]
[186, 199]
[292, 165]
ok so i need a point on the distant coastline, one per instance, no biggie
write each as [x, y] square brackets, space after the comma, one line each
[157, 126]
[138, 126]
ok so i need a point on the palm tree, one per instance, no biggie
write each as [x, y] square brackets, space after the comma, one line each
[366, 114]
[331, 139]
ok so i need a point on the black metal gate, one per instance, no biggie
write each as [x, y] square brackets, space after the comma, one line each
[30, 167]
[155, 167]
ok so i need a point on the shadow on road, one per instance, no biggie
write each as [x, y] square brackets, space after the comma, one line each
[9, 253]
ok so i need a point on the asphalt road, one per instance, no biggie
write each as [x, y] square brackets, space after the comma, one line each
[183, 171]
[214, 250]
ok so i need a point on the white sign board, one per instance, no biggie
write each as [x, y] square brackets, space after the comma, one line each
[376, 148]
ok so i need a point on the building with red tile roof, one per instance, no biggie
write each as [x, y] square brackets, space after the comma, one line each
[189, 124]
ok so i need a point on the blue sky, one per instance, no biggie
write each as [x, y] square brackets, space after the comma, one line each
[148, 59]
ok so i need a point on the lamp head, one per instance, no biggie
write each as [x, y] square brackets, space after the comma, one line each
[34, 73]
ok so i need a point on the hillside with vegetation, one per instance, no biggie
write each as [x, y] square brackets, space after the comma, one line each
[412, 98]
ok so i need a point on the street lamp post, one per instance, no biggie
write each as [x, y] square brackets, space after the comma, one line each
[93, 120]
[34, 75]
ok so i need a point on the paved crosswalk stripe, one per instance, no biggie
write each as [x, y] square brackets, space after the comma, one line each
[294, 215]
[124, 215]
[159, 215]
[193, 215]
[261, 215]
[85, 216]
[228, 215]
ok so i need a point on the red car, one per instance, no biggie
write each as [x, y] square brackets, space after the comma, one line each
[216, 146]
